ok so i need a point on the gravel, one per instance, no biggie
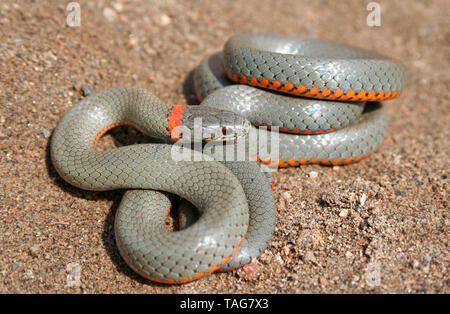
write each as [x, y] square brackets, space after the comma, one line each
[379, 226]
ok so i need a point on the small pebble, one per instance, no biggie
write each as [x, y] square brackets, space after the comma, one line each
[87, 90]
[279, 260]
[133, 40]
[251, 271]
[34, 250]
[117, 6]
[343, 213]
[287, 196]
[27, 275]
[362, 200]
[149, 50]
[313, 174]
[164, 20]
[309, 257]
[46, 133]
[109, 14]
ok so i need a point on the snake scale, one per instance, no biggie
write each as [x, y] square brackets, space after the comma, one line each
[236, 207]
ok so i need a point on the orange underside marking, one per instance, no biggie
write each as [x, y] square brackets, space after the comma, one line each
[108, 128]
[198, 96]
[168, 211]
[201, 274]
[297, 131]
[175, 116]
[313, 92]
[294, 163]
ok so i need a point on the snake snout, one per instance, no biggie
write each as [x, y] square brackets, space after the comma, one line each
[231, 126]
[215, 124]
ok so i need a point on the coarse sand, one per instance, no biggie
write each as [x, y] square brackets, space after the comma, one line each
[378, 226]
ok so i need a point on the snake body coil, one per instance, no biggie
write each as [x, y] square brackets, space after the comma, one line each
[235, 200]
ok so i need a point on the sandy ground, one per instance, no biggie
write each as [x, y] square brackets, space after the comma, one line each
[327, 238]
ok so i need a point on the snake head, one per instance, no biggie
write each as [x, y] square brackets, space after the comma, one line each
[201, 123]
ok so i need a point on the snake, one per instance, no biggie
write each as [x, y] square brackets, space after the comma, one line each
[257, 77]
